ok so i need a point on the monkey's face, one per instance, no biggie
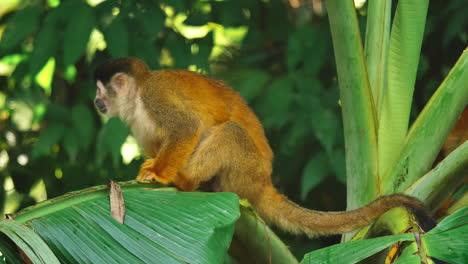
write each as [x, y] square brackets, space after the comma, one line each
[106, 99]
[115, 97]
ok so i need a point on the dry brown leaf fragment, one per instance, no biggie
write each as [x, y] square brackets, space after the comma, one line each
[117, 203]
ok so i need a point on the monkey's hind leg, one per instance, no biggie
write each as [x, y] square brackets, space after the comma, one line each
[224, 145]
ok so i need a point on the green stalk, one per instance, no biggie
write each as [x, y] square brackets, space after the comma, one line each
[357, 104]
[431, 128]
[376, 46]
[433, 187]
[403, 58]
[262, 244]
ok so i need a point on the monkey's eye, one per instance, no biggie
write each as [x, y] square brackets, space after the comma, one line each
[100, 88]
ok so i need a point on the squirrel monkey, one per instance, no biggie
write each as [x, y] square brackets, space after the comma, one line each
[196, 130]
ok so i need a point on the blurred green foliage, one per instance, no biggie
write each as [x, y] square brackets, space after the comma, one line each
[276, 53]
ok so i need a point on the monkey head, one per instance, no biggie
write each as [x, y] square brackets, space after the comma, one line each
[116, 84]
[111, 95]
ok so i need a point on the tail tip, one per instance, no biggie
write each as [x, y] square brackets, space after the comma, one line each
[426, 223]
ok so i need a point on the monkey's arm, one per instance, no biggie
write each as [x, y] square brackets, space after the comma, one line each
[182, 131]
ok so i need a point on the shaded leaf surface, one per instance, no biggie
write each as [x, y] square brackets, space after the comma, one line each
[161, 226]
[117, 38]
[316, 170]
[77, 33]
[19, 27]
[111, 138]
[46, 44]
[29, 242]
[251, 83]
[48, 137]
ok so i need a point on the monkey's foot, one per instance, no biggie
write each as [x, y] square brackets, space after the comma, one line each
[147, 173]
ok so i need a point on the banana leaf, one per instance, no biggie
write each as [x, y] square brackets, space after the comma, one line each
[160, 226]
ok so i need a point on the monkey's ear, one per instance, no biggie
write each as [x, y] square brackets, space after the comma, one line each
[119, 81]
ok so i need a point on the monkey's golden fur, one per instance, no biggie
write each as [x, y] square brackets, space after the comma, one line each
[197, 130]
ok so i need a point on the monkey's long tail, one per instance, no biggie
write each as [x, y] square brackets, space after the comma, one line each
[289, 216]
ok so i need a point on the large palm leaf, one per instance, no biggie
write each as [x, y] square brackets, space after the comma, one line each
[160, 226]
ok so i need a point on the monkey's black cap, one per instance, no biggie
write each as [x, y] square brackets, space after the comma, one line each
[105, 71]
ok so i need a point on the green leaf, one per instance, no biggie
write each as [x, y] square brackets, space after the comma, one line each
[77, 33]
[82, 123]
[205, 47]
[455, 25]
[277, 29]
[117, 38]
[59, 118]
[436, 185]
[250, 83]
[312, 99]
[104, 10]
[57, 112]
[160, 225]
[450, 245]
[409, 255]
[337, 159]
[304, 41]
[403, 58]
[29, 242]
[71, 143]
[295, 50]
[152, 20]
[49, 136]
[315, 171]
[197, 19]
[143, 48]
[276, 102]
[46, 44]
[359, 115]
[376, 46]
[229, 13]
[21, 24]
[325, 124]
[9, 252]
[111, 138]
[447, 241]
[179, 50]
[298, 132]
[178, 5]
[459, 218]
[354, 251]
[253, 233]
[432, 125]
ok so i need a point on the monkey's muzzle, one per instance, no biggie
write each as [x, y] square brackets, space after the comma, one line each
[100, 105]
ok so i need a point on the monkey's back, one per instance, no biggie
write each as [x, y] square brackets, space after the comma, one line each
[213, 102]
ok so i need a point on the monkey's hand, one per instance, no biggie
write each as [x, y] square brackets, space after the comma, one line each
[148, 172]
